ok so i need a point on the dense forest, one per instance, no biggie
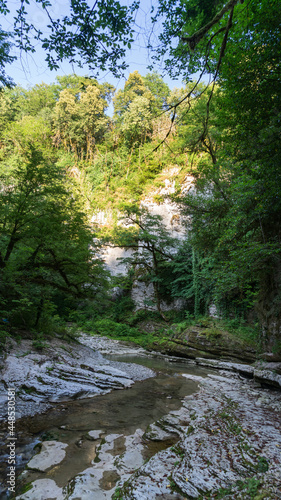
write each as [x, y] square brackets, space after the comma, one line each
[63, 158]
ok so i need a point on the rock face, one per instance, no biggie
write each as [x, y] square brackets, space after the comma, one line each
[60, 372]
[157, 202]
[210, 343]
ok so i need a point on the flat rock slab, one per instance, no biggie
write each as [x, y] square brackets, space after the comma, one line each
[61, 371]
[52, 453]
[111, 346]
[229, 442]
[94, 435]
[265, 372]
[43, 489]
[118, 457]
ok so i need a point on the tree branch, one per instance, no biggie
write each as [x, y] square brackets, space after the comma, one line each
[196, 37]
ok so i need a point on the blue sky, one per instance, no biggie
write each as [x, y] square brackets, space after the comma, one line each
[32, 69]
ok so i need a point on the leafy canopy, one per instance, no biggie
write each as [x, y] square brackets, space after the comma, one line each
[99, 40]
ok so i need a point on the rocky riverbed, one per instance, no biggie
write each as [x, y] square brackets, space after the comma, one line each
[223, 442]
[63, 371]
[229, 446]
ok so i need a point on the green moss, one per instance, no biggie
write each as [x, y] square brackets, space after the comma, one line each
[189, 430]
[157, 198]
[25, 488]
[174, 487]
[178, 450]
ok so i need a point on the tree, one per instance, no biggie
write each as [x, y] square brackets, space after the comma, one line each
[152, 249]
[195, 33]
[235, 125]
[5, 48]
[101, 35]
[92, 117]
[159, 89]
[79, 117]
[134, 87]
[137, 121]
[46, 245]
[134, 108]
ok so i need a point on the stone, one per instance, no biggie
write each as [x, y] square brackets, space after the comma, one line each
[227, 438]
[118, 457]
[52, 453]
[157, 433]
[269, 377]
[63, 371]
[94, 434]
[43, 489]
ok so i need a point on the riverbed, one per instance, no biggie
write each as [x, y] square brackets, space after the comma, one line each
[170, 430]
[120, 412]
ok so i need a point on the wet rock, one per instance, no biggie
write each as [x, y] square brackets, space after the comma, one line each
[52, 453]
[117, 458]
[43, 489]
[94, 435]
[60, 372]
[227, 441]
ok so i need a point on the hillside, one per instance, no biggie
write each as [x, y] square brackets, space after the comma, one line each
[188, 211]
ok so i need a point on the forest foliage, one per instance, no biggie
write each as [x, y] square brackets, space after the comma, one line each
[62, 158]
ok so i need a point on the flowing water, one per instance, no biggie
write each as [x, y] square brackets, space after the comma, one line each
[120, 413]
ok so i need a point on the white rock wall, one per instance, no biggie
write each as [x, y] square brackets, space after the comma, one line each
[142, 294]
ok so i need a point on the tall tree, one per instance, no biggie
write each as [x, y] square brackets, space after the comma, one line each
[46, 244]
[134, 87]
[236, 211]
[134, 108]
[79, 117]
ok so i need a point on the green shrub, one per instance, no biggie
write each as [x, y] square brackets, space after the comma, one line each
[112, 329]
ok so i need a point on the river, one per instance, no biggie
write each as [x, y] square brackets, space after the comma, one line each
[119, 413]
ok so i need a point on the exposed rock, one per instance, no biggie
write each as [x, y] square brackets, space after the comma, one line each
[157, 433]
[228, 442]
[118, 457]
[208, 342]
[266, 373]
[43, 489]
[157, 202]
[268, 376]
[111, 346]
[242, 369]
[60, 372]
[94, 435]
[51, 453]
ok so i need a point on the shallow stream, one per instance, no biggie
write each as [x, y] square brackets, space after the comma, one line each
[120, 412]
